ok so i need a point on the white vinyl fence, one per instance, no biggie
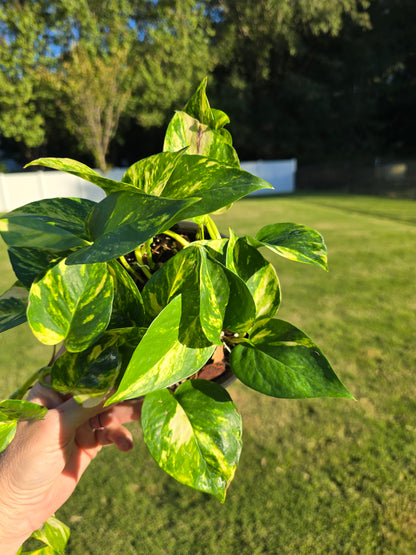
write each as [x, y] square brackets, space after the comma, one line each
[17, 189]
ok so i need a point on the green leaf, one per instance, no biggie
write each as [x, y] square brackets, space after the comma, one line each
[160, 359]
[128, 308]
[28, 263]
[283, 362]
[13, 305]
[13, 410]
[88, 375]
[241, 309]
[151, 174]
[216, 184]
[293, 241]
[7, 433]
[57, 224]
[214, 295]
[204, 289]
[194, 435]
[124, 220]
[54, 534]
[81, 170]
[186, 131]
[71, 304]
[198, 105]
[220, 119]
[257, 273]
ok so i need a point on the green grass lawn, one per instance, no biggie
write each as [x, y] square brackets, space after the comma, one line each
[315, 476]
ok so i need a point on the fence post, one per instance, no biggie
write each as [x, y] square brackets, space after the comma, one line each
[4, 205]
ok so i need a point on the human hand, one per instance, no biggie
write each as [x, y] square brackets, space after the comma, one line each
[41, 467]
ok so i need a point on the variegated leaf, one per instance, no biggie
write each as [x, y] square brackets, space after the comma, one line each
[151, 174]
[81, 170]
[257, 273]
[194, 435]
[281, 361]
[160, 359]
[7, 433]
[90, 375]
[13, 410]
[186, 131]
[217, 184]
[198, 106]
[13, 305]
[29, 262]
[54, 534]
[71, 304]
[220, 119]
[123, 221]
[57, 224]
[241, 309]
[204, 288]
[128, 308]
[293, 241]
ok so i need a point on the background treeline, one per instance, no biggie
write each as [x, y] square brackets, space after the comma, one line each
[317, 80]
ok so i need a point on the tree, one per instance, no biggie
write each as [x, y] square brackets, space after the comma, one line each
[93, 62]
[93, 92]
[176, 53]
[263, 78]
[23, 47]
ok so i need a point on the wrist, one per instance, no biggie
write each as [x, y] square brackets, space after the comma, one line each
[14, 527]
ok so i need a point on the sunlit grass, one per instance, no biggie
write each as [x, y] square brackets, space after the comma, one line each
[316, 476]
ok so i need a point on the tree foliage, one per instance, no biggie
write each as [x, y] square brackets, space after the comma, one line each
[312, 79]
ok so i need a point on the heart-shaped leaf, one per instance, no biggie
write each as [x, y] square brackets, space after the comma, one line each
[257, 273]
[81, 170]
[160, 359]
[186, 131]
[293, 241]
[205, 291]
[128, 308]
[198, 106]
[90, 375]
[71, 304]
[283, 362]
[217, 184]
[28, 262]
[57, 224]
[241, 310]
[124, 220]
[151, 174]
[13, 305]
[194, 435]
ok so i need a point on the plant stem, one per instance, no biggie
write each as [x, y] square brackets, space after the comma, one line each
[178, 238]
[143, 267]
[212, 228]
[130, 269]
[149, 253]
[20, 393]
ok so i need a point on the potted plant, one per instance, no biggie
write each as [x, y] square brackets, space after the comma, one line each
[142, 302]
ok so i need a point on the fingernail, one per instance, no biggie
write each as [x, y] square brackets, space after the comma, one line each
[125, 444]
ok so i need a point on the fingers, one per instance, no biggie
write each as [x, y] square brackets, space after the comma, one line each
[45, 396]
[105, 428]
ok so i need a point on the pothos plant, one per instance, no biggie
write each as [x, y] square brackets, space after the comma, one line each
[141, 305]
